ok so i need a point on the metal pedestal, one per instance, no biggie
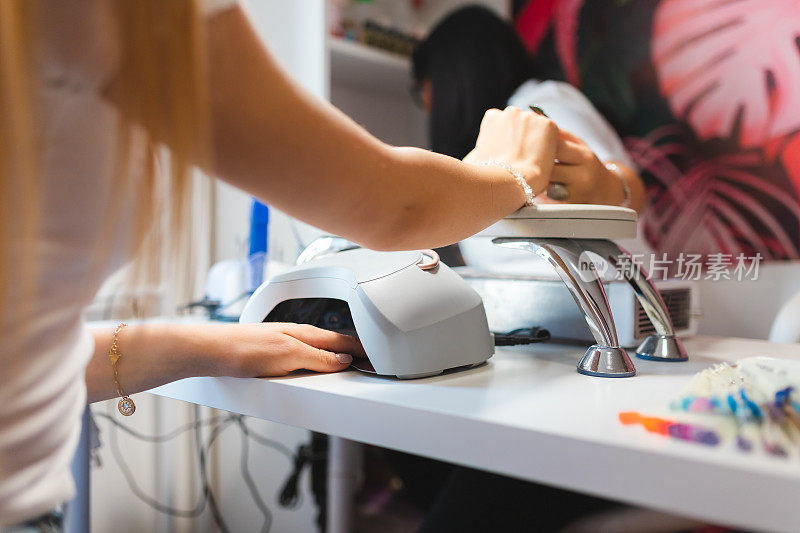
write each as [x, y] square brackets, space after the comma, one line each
[576, 269]
[663, 345]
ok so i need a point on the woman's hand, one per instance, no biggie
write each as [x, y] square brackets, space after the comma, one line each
[275, 349]
[585, 178]
[155, 354]
[524, 140]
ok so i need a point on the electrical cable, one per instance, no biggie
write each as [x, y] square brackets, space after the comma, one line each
[215, 307]
[289, 496]
[201, 454]
[248, 479]
[270, 443]
[134, 486]
[159, 439]
[207, 497]
[521, 336]
[207, 494]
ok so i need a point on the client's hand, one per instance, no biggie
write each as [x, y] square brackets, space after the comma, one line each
[521, 139]
[583, 177]
[275, 349]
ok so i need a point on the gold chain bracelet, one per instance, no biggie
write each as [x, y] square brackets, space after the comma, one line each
[125, 405]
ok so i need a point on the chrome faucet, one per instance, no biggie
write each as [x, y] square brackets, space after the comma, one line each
[569, 259]
[664, 345]
[606, 358]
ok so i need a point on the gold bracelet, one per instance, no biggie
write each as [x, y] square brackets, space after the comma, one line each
[125, 405]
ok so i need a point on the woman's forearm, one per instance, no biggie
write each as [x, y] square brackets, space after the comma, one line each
[454, 200]
[155, 354]
[305, 157]
[152, 355]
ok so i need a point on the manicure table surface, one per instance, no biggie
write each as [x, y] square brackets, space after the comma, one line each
[528, 414]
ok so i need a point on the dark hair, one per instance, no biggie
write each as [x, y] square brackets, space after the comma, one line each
[474, 61]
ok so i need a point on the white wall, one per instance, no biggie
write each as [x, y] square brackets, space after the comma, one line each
[747, 308]
[295, 34]
[401, 124]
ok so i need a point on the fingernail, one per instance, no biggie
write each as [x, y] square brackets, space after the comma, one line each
[538, 111]
[344, 358]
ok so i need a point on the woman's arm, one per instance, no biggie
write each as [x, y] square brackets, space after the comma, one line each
[302, 155]
[156, 354]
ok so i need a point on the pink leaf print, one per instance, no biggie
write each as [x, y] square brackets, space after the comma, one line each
[790, 157]
[534, 21]
[721, 62]
[706, 208]
[566, 35]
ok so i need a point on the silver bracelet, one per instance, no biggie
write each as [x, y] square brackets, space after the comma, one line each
[529, 195]
[626, 189]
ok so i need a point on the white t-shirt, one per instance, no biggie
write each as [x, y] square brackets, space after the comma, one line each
[42, 390]
[571, 111]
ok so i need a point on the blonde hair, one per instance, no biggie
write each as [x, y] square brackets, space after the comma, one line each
[160, 92]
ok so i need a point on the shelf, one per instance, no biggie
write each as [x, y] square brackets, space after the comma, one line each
[361, 67]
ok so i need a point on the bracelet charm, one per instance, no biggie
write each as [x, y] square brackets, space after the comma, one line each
[125, 405]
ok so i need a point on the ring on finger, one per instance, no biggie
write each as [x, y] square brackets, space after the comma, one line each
[557, 191]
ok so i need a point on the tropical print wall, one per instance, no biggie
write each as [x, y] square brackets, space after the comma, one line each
[706, 95]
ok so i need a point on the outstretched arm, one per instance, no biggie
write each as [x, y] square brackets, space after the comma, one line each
[155, 354]
[302, 155]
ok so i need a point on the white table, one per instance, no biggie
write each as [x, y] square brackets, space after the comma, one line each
[528, 414]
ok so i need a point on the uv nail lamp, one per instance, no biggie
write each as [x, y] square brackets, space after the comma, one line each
[414, 316]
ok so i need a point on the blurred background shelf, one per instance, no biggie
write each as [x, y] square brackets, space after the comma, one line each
[366, 68]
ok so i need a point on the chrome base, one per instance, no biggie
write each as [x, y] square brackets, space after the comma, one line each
[606, 362]
[662, 348]
[579, 274]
